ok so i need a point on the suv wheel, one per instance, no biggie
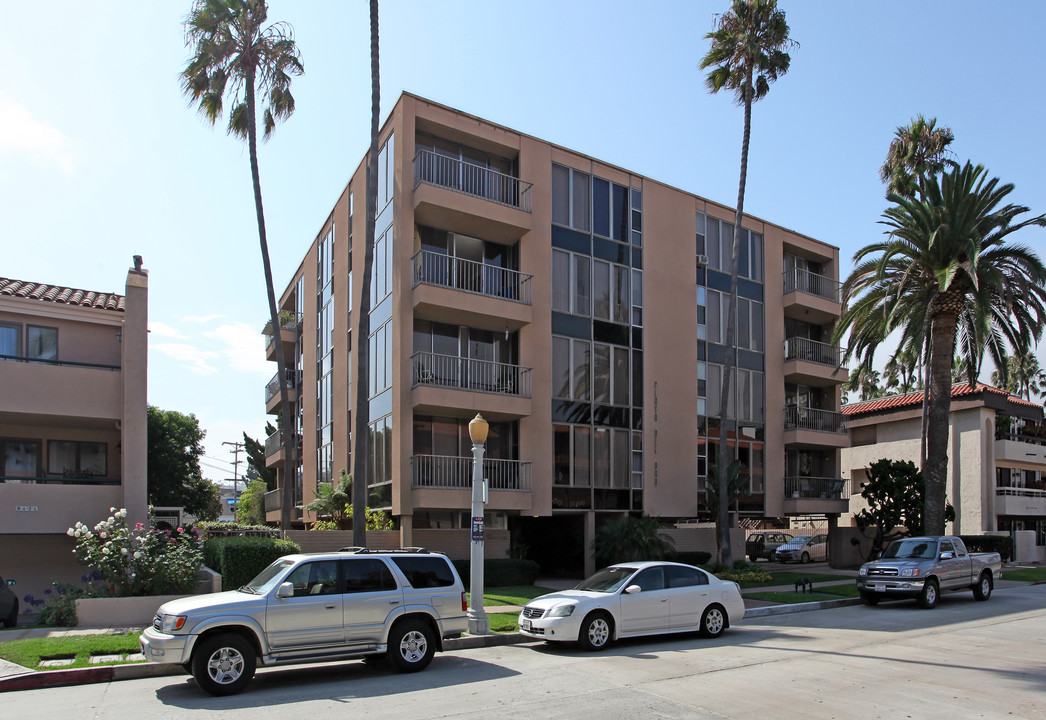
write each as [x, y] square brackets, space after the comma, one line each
[411, 646]
[223, 664]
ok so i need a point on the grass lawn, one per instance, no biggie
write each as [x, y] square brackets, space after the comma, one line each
[1036, 574]
[503, 622]
[790, 578]
[512, 594]
[29, 652]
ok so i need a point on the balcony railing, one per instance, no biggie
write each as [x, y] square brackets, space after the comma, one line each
[274, 500]
[66, 363]
[84, 478]
[432, 268]
[1021, 491]
[813, 351]
[1033, 436]
[802, 418]
[474, 180]
[812, 284]
[455, 473]
[272, 388]
[451, 371]
[816, 487]
[274, 443]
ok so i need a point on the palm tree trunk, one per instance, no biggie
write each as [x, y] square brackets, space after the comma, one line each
[289, 439]
[935, 469]
[361, 411]
[926, 398]
[723, 454]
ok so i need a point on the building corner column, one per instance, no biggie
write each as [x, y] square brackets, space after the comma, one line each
[134, 371]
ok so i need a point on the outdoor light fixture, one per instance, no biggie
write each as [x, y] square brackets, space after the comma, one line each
[478, 622]
[478, 428]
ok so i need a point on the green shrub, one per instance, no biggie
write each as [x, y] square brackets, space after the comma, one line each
[216, 528]
[238, 559]
[631, 538]
[743, 573]
[692, 558]
[1002, 544]
[501, 572]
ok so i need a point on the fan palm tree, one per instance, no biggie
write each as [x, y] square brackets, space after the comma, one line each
[945, 273]
[749, 51]
[1021, 376]
[918, 151]
[236, 56]
[361, 418]
[865, 382]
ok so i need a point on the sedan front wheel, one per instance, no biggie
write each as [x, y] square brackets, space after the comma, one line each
[595, 632]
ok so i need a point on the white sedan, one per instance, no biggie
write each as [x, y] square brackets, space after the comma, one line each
[632, 599]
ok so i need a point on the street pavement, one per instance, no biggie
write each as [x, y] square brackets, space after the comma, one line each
[964, 659]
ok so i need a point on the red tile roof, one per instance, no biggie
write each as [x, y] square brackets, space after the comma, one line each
[63, 295]
[959, 390]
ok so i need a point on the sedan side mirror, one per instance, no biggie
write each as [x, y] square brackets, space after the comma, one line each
[632, 589]
[285, 590]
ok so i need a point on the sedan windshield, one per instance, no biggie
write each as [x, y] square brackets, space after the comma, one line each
[607, 580]
[801, 540]
[264, 581]
[909, 549]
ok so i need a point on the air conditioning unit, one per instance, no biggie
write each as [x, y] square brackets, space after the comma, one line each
[702, 260]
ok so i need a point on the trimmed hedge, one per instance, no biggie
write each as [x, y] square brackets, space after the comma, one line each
[501, 572]
[692, 558]
[239, 559]
[1002, 544]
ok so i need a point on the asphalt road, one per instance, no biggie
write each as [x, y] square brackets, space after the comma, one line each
[965, 659]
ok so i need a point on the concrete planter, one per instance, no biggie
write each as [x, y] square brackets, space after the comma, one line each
[119, 611]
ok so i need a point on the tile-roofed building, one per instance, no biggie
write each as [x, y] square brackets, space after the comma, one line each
[61, 295]
[961, 390]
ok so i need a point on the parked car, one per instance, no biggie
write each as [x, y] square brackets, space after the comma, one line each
[8, 604]
[763, 544]
[803, 548]
[632, 599]
[923, 567]
[394, 605]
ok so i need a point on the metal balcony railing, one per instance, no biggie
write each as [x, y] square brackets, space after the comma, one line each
[272, 388]
[274, 500]
[451, 371]
[474, 180]
[802, 418]
[812, 284]
[1020, 491]
[813, 351]
[432, 268]
[59, 363]
[828, 488]
[455, 473]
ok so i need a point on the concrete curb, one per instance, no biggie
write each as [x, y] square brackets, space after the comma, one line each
[32, 680]
[800, 607]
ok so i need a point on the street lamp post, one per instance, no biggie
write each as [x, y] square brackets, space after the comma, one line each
[478, 622]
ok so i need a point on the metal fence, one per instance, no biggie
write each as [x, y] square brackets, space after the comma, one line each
[432, 268]
[803, 418]
[797, 348]
[812, 284]
[455, 473]
[451, 371]
[475, 180]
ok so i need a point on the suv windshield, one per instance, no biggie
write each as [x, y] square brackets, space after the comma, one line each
[264, 580]
[607, 580]
[909, 549]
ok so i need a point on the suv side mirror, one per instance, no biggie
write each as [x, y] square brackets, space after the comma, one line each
[633, 589]
[285, 590]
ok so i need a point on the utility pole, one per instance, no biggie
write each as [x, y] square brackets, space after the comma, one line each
[236, 448]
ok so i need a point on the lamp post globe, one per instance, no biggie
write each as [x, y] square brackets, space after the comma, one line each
[478, 621]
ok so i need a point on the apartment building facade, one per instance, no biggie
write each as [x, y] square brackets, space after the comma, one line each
[580, 308]
[73, 372]
[996, 457]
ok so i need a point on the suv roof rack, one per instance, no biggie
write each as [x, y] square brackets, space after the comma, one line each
[364, 551]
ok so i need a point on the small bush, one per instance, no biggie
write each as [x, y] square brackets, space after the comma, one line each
[216, 528]
[501, 572]
[692, 558]
[743, 573]
[1002, 544]
[239, 559]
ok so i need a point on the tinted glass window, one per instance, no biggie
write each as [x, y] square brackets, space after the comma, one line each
[601, 207]
[367, 575]
[315, 578]
[425, 572]
[685, 577]
[650, 579]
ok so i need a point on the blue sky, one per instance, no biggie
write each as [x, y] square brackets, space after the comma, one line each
[100, 158]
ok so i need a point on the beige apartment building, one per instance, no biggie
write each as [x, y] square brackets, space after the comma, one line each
[580, 308]
[73, 369]
[996, 458]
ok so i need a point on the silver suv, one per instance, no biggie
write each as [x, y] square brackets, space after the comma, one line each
[397, 605]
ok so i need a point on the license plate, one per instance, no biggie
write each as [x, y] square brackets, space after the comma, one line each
[880, 588]
[524, 625]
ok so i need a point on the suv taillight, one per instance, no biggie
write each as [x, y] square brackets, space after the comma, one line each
[464, 602]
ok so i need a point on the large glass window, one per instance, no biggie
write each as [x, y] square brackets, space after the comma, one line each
[10, 340]
[41, 342]
[386, 172]
[21, 457]
[76, 459]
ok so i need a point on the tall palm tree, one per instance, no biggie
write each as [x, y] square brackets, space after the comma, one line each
[361, 416]
[918, 151]
[945, 272]
[235, 56]
[748, 52]
[865, 382]
[1021, 375]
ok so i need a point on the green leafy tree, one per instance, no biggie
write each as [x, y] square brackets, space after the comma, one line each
[631, 538]
[235, 56]
[946, 276]
[330, 502]
[175, 445]
[250, 508]
[256, 468]
[1021, 376]
[749, 51]
[918, 151]
[895, 493]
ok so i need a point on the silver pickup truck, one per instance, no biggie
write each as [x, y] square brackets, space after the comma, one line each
[924, 567]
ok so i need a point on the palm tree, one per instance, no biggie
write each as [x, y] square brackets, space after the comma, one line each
[901, 372]
[1021, 376]
[748, 52]
[917, 152]
[945, 272]
[235, 55]
[361, 431]
[865, 382]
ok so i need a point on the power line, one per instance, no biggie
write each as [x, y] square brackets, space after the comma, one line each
[237, 448]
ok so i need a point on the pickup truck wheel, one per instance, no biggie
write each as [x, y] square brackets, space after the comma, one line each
[928, 597]
[223, 664]
[411, 646]
[713, 621]
[595, 632]
[983, 589]
[870, 599]
[753, 558]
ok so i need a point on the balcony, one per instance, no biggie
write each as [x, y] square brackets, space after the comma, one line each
[432, 268]
[274, 450]
[1020, 501]
[289, 323]
[272, 391]
[811, 297]
[470, 198]
[816, 495]
[451, 371]
[60, 388]
[455, 473]
[273, 500]
[808, 362]
[810, 427]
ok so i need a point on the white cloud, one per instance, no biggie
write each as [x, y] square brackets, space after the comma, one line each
[163, 330]
[200, 319]
[22, 133]
[191, 357]
[244, 347]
